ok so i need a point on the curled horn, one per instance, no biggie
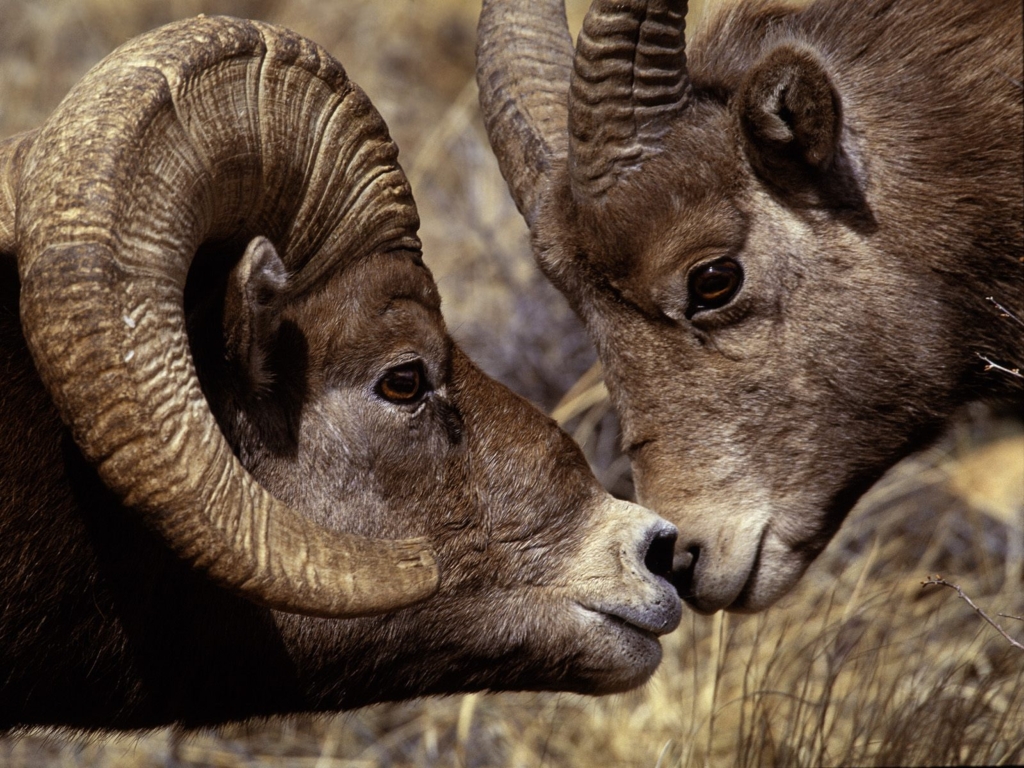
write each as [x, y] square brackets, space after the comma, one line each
[204, 130]
[12, 154]
[629, 81]
[524, 60]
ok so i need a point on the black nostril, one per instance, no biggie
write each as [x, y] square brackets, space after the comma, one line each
[659, 554]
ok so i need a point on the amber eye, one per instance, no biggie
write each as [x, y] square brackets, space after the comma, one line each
[713, 285]
[403, 384]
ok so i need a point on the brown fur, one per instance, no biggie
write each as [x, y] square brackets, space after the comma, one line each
[103, 627]
[862, 161]
[546, 582]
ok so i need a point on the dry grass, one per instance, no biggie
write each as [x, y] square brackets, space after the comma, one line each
[859, 666]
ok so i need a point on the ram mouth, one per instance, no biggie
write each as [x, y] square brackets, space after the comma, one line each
[648, 630]
[621, 654]
[685, 578]
[683, 582]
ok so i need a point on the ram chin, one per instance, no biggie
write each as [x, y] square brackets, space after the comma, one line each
[777, 570]
[620, 655]
[745, 579]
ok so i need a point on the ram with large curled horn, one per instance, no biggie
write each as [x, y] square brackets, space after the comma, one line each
[796, 241]
[245, 469]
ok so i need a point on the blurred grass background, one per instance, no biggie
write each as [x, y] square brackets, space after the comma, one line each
[861, 665]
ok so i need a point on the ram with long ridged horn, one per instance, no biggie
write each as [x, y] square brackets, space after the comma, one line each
[797, 243]
[245, 469]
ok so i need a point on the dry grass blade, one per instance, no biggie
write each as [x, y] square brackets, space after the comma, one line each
[434, 147]
[588, 392]
[857, 667]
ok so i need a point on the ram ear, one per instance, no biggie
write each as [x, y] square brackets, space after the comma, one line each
[791, 117]
[252, 306]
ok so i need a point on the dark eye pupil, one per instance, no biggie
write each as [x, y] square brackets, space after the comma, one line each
[402, 384]
[713, 285]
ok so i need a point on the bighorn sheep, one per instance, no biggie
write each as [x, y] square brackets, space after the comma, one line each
[781, 240]
[222, 297]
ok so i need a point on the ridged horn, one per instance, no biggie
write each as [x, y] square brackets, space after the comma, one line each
[629, 82]
[12, 154]
[524, 59]
[204, 130]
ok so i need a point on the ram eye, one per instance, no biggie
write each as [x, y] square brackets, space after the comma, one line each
[405, 383]
[713, 285]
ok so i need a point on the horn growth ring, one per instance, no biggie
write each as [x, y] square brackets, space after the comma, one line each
[203, 129]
